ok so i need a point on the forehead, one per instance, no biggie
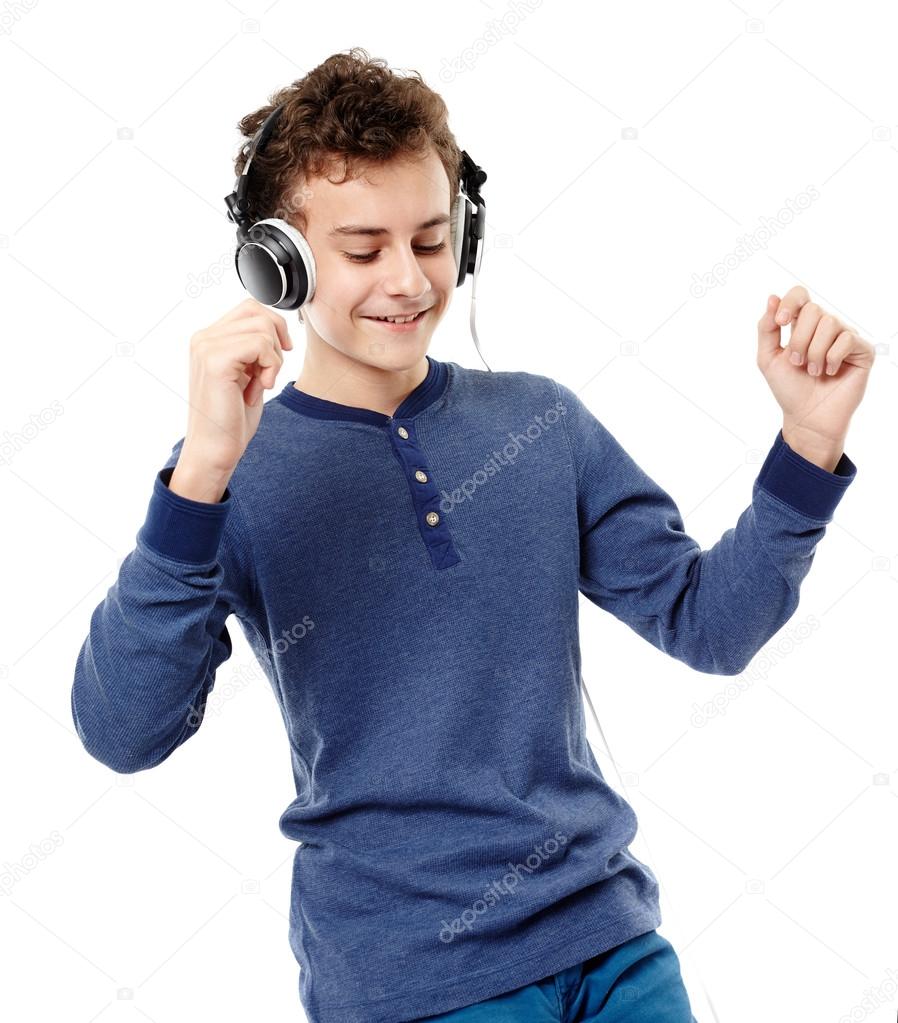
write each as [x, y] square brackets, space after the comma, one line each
[399, 196]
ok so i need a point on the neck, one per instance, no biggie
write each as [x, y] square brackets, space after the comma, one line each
[330, 374]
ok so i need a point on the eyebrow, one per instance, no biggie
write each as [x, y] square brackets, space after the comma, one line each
[348, 229]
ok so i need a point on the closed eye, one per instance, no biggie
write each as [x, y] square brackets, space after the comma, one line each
[428, 250]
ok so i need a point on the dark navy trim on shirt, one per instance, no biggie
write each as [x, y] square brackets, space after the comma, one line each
[412, 459]
[425, 495]
[180, 528]
[427, 392]
[804, 486]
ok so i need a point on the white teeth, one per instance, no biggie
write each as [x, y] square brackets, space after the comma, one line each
[396, 319]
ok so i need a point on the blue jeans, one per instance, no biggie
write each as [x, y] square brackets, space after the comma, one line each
[636, 982]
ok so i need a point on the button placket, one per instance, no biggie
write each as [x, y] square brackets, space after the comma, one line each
[425, 496]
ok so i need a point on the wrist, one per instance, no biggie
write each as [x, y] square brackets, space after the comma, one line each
[198, 483]
[822, 451]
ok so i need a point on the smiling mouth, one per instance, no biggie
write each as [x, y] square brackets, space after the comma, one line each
[384, 319]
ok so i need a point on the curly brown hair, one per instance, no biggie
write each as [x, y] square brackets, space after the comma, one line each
[351, 109]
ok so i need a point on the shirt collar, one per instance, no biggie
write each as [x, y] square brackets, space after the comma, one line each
[424, 395]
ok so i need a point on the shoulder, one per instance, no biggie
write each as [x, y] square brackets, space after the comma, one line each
[504, 385]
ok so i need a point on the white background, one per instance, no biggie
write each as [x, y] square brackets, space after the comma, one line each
[626, 155]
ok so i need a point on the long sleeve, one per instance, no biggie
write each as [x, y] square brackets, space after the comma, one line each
[146, 668]
[712, 609]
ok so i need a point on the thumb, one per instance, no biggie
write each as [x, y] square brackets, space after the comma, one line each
[769, 330]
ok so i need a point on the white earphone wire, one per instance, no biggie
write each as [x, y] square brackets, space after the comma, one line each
[642, 832]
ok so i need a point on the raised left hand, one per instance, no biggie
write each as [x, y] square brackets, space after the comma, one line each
[821, 385]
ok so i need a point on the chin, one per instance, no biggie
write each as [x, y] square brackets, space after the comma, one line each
[396, 356]
[387, 355]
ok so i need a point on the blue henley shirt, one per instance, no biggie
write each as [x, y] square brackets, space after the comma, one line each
[409, 585]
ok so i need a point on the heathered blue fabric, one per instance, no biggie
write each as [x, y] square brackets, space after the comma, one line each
[457, 837]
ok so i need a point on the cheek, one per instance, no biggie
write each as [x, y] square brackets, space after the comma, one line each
[447, 274]
[340, 287]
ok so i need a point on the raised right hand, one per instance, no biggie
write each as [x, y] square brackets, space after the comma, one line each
[231, 363]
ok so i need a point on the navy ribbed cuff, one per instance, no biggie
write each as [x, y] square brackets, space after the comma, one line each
[804, 486]
[180, 528]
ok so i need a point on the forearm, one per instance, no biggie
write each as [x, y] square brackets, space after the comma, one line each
[156, 640]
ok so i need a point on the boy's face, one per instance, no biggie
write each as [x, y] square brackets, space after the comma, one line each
[393, 273]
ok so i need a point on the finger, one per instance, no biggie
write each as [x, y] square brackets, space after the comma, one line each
[791, 304]
[839, 350]
[253, 393]
[269, 361]
[247, 307]
[253, 325]
[250, 307]
[257, 352]
[280, 325]
[828, 329]
[802, 331]
[768, 332]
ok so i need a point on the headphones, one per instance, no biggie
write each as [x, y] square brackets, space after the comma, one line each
[275, 263]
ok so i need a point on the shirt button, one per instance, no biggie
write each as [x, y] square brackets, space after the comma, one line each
[432, 518]
[421, 477]
[403, 433]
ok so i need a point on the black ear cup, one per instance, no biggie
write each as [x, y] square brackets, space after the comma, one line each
[275, 265]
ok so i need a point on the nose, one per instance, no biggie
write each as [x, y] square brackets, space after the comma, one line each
[405, 275]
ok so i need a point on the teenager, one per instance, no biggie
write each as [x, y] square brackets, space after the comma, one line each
[403, 541]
